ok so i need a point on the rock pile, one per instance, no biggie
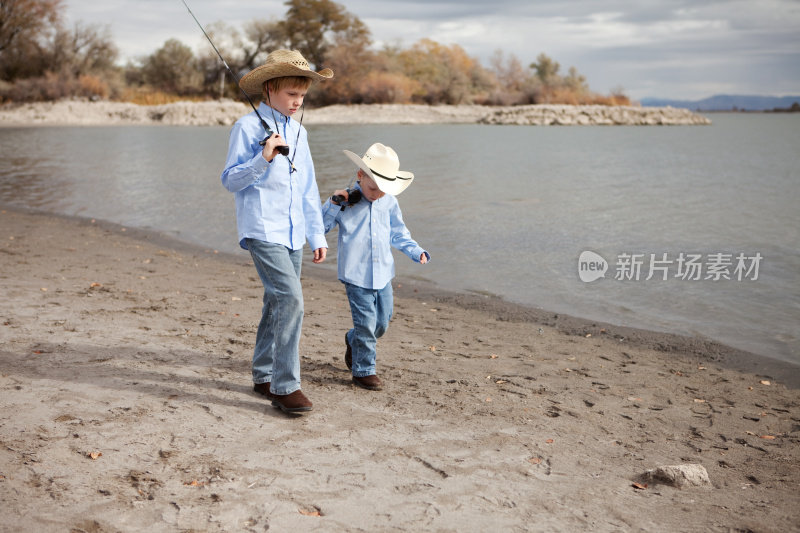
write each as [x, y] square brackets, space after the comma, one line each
[593, 115]
[226, 112]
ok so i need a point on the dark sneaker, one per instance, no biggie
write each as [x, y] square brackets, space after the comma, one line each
[293, 403]
[369, 382]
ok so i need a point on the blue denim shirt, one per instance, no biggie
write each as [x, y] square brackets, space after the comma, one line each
[272, 204]
[367, 232]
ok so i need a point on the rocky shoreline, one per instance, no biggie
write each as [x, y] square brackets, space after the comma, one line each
[225, 112]
[593, 115]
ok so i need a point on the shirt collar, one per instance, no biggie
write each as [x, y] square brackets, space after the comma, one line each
[268, 111]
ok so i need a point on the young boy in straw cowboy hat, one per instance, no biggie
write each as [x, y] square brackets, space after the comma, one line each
[277, 210]
[370, 223]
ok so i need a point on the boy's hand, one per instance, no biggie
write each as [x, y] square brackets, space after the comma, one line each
[271, 147]
[319, 255]
[340, 192]
[423, 258]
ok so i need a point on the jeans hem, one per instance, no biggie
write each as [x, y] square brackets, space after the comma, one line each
[276, 393]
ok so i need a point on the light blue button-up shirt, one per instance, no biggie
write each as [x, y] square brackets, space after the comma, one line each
[272, 204]
[367, 233]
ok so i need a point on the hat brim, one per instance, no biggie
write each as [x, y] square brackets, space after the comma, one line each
[393, 185]
[253, 82]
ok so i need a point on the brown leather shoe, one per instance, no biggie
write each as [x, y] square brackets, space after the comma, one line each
[348, 354]
[263, 389]
[293, 403]
[369, 382]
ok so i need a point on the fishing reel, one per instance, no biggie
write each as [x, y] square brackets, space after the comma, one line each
[353, 197]
[283, 150]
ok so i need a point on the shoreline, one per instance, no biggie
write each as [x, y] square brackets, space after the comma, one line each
[127, 404]
[226, 112]
[705, 349]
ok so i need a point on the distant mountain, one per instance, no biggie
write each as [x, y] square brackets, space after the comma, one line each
[727, 102]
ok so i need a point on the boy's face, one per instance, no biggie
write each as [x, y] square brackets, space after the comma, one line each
[287, 100]
[369, 188]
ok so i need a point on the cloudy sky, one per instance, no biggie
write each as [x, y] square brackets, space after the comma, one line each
[685, 49]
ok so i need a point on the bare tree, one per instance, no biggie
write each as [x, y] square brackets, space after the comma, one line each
[29, 19]
[262, 36]
[26, 28]
[83, 50]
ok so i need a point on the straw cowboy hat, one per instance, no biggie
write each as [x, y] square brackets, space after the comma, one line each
[382, 165]
[278, 64]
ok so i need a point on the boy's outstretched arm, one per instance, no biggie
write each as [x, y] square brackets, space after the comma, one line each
[402, 240]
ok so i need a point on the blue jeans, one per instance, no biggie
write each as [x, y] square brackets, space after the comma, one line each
[276, 358]
[372, 311]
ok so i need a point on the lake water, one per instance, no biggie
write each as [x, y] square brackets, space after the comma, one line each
[505, 210]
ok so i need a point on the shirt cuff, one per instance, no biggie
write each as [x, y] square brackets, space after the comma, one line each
[317, 241]
[259, 163]
[329, 213]
[416, 253]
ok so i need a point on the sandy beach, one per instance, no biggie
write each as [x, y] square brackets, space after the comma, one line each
[127, 405]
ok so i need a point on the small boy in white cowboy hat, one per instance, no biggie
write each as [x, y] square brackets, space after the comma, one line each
[370, 223]
[277, 210]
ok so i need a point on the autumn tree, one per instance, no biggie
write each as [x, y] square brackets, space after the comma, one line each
[571, 89]
[314, 26]
[351, 65]
[576, 81]
[40, 59]
[386, 82]
[354, 65]
[546, 70]
[514, 83]
[446, 74]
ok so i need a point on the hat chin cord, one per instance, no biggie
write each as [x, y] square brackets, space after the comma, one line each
[275, 120]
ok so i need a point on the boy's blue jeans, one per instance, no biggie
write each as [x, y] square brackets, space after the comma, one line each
[372, 311]
[276, 358]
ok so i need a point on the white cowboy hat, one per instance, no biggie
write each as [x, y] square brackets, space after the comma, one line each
[382, 165]
[278, 64]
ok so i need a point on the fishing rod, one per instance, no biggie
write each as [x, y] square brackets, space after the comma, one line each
[283, 150]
